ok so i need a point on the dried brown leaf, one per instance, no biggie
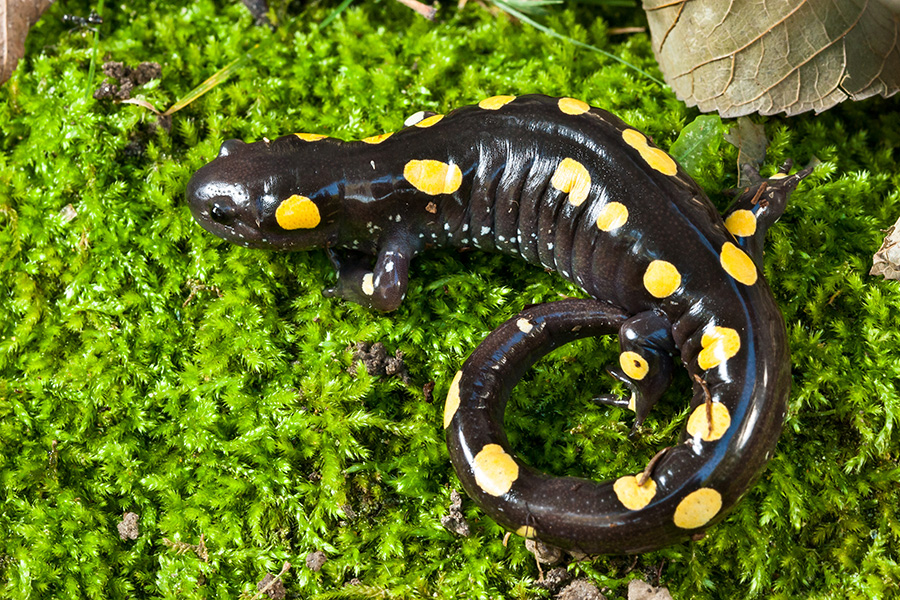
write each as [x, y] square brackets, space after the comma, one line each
[886, 261]
[16, 18]
[750, 140]
[772, 56]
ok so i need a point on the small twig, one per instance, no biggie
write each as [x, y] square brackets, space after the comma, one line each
[540, 569]
[423, 9]
[626, 30]
[144, 103]
[284, 569]
[195, 286]
[633, 564]
[648, 470]
[184, 547]
[759, 192]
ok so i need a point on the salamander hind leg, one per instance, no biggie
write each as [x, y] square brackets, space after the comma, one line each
[645, 363]
[759, 206]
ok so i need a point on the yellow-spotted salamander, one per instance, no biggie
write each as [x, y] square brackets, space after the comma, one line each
[571, 188]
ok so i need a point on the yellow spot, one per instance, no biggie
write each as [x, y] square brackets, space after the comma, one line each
[377, 139]
[698, 508]
[433, 176]
[524, 325]
[571, 106]
[311, 137]
[297, 212]
[661, 278]
[526, 531]
[778, 176]
[613, 216]
[741, 223]
[452, 403]
[429, 121]
[737, 264]
[719, 344]
[698, 423]
[495, 470]
[495, 102]
[656, 158]
[632, 402]
[368, 284]
[634, 365]
[572, 178]
[632, 495]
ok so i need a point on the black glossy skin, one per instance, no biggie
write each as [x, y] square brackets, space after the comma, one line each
[506, 202]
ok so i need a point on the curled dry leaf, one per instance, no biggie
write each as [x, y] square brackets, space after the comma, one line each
[886, 261]
[750, 140]
[773, 56]
[16, 18]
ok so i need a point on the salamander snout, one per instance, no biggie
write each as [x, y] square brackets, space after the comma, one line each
[219, 203]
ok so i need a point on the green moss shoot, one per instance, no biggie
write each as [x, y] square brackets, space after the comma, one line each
[147, 366]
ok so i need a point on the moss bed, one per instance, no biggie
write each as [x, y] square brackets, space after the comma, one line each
[148, 367]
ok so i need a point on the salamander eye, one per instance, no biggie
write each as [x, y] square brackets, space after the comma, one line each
[222, 211]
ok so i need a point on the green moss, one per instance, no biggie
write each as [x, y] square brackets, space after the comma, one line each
[206, 387]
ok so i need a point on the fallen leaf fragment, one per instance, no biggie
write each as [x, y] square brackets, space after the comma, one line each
[774, 56]
[886, 261]
[16, 18]
[750, 140]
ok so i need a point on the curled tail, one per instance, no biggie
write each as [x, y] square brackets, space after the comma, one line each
[738, 360]
[680, 493]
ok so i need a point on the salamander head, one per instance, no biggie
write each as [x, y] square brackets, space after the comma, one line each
[257, 195]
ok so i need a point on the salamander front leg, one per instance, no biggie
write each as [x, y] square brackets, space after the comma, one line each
[382, 287]
[645, 363]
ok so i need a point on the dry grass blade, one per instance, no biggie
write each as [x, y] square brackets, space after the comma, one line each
[526, 19]
[218, 77]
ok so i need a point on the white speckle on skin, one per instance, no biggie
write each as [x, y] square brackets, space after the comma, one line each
[414, 118]
[550, 246]
[696, 444]
[389, 266]
[372, 162]
[368, 284]
[500, 238]
[446, 226]
[465, 227]
[485, 230]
